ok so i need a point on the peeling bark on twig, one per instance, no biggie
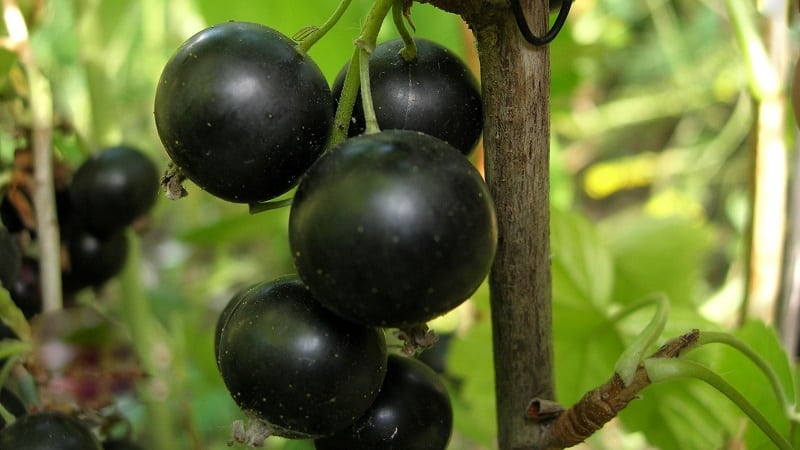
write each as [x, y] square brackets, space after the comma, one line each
[602, 404]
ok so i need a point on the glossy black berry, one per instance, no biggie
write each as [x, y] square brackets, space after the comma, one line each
[392, 229]
[121, 444]
[242, 111]
[288, 361]
[112, 188]
[412, 412]
[10, 259]
[48, 431]
[26, 292]
[93, 260]
[225, 314]
[436, 94]
[9, 216]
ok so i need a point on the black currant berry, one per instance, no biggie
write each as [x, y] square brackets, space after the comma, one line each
[242, 112]
[290, 362]
[436, 94]
[10, 259]
[48, 431]
[412, 412]
[392, 229]
[9, 216]
[94, 260]
[222, 320]
[121, 444]
[26, 292]
[112, 188]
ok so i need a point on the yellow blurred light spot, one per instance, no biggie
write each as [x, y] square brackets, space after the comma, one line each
[606, 178]
[672, 202]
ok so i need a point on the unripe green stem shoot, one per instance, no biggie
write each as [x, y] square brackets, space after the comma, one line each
[633, 355]
[664, 369]
[708, 337]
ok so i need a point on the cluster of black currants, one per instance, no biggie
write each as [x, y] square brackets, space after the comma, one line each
[95, 205]
[387, 230]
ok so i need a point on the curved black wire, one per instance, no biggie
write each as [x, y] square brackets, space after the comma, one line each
[551, 34]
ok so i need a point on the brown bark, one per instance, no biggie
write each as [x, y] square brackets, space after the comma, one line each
[516, 88]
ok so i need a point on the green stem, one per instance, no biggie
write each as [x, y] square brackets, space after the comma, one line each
[366, 43]
[41, 104]
[347, 100]
[409, 51]
[312, 39]
[708, 337]
[367, 39]
[764, 79]
[373, 22]
[630, 359]
[663, 369]
[40, 107]
[370, 120]
[150, 347]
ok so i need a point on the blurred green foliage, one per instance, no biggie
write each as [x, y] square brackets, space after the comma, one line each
[651, 116]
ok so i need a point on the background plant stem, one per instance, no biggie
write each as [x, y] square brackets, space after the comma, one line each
[44, 201]
[766, 60]
[153, 352]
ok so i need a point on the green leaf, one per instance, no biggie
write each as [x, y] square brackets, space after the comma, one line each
[687, 415]
[658, 255]
[470, 363]
[235, 228]
[582, 266]
[12, 317]
[7, 61]
[297, 445]
[750, 381]
[585, 345]
[591, 280]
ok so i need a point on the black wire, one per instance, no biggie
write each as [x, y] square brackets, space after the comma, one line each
[551, 34]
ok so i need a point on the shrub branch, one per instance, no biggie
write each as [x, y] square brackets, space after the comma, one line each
[600, 405]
